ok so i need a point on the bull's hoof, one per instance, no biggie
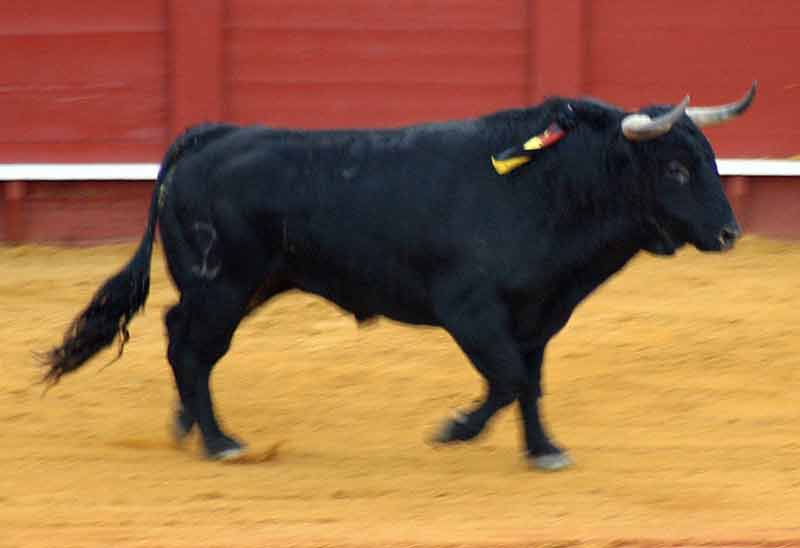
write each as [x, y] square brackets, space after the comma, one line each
[455, 430]
[224, 449]
[551, 462]
[182, 425]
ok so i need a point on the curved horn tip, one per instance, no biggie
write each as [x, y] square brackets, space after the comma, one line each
[743, 103]
[752, 91]
[709, 116]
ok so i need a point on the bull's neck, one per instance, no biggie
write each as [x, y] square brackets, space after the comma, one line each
[596, 247]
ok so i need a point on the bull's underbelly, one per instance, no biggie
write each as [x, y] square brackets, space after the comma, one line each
[399, 294]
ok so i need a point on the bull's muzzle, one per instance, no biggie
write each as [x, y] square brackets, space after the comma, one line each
[728, 236]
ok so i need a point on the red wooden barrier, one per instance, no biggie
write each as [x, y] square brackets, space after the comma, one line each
[82, 80]
[76, 86]
[196, 50]
[14, 211]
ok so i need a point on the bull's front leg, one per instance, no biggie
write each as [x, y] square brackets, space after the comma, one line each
[542, 453]
[480, 326]
[465, 426]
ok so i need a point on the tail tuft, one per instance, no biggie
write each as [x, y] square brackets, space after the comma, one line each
[105, 319]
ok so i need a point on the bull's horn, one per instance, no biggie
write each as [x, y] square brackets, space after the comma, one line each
[640, 127]
[709, 116]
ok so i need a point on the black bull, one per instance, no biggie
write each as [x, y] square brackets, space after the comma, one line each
[418, 225]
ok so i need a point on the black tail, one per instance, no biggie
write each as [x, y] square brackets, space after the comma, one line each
[113, 306]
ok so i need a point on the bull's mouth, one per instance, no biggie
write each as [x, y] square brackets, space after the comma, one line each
[709, 246]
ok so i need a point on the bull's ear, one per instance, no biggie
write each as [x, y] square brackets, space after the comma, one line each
[511, 158]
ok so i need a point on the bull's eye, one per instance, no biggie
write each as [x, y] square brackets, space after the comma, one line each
[678, 172]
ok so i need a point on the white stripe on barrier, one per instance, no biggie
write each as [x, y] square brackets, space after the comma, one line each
[148, 172]
[78, 172]
[758, 168]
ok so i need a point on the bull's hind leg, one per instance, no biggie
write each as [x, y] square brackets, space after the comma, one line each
[183, 421]
[200, 329]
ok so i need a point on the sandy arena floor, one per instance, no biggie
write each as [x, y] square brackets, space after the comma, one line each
[674, 388]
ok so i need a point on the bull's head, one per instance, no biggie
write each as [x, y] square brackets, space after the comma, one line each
[689, 205]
